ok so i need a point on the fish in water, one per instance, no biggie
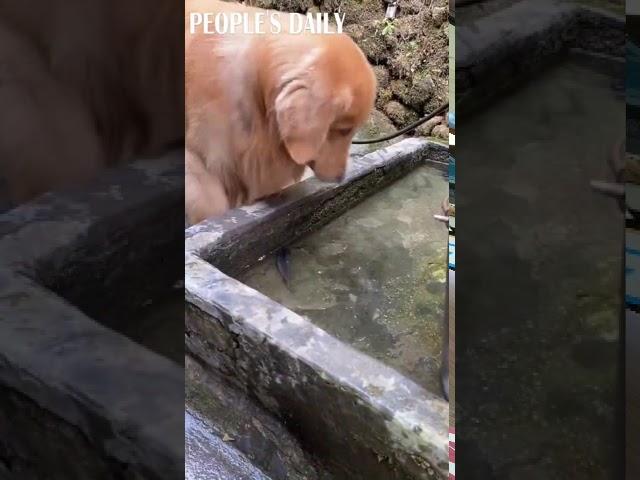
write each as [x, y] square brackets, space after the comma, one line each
[283, 265]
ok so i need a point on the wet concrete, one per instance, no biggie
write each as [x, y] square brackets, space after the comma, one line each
[375, 277]
[237, 420]
[208, 457]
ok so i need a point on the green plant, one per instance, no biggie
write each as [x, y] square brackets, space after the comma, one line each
[389, 28]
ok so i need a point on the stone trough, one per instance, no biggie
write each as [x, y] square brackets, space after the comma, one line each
[540, 107]
[490, 51]
[359, 417]
[76, 382]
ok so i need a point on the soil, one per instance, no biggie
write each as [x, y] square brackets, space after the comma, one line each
[410, 54]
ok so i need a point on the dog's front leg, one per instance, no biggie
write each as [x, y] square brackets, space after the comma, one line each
[205, 196]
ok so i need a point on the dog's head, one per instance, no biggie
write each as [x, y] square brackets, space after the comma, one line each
[322, 98]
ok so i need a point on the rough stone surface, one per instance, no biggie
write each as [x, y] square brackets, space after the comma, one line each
[600, 31]
[439, 15]
[251, 430]
[84, 379]
[440, 131]
[399, 114]
[382, 76]
[85, 249]
[414, 92]
[393, 427]
[376, 126]
[112, 400]
[426, 128]
[210, 457]
[385, 95]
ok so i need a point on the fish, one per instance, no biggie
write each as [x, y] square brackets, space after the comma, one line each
[283, 265]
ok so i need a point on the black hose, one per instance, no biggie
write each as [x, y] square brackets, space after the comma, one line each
[406, 129]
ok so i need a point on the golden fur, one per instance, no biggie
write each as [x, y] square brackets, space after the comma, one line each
[86, 85]
[260, 108]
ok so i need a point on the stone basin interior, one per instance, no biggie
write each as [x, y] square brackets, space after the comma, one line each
[159, 325]
[375, 276]
[153, 316]
[107, 275]
[565, 232]
[368, 272]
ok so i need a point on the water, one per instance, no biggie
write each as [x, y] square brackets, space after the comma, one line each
[375, 277]
[551, 317]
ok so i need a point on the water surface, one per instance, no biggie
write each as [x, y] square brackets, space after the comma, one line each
[375, 277]
[546, 249]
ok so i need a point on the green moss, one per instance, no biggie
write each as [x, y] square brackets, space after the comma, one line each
[414, 92]
[370, 40]
[384, 96]
[382, 76]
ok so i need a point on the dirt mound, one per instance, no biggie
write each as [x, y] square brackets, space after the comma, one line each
[410, 54]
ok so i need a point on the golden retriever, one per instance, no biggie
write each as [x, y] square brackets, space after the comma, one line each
[262, 107]
[83, 87]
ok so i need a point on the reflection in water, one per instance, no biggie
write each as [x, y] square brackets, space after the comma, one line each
[375, 277]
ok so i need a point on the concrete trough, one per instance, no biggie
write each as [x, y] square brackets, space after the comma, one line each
[362, 418]
[74, 276]
[507, 67]
[490, 51]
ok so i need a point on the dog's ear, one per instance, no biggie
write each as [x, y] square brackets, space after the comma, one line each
[303, 118]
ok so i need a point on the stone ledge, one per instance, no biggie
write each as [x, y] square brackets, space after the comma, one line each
[88, 377]
[343, 404]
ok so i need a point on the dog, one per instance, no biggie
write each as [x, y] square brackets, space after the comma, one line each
[83, 89]
[261, 107]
